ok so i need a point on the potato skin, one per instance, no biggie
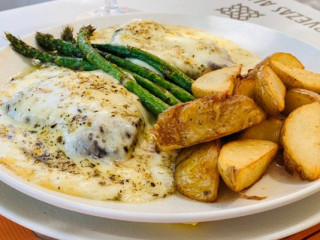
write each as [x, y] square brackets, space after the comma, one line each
[296, 77]
[286, 59]
[300, 139]
[246, 87]
[196, 175]
[268, 129]
[205, 119]
[297, 97]
[269, 91]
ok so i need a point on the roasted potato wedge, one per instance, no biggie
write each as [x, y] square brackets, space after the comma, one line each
[296, 77]
[270, 91]
[268, 129]
[241, 163]
[286, 59]
[205, 119]
[196, 175]
[246, 87]
[297, 97]
[217, 83]
[300, 137]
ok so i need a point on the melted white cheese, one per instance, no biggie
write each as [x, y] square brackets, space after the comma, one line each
[190, 55]
[84, 134]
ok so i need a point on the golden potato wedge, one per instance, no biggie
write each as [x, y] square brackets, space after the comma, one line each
[297, 97]
[297, 78]
[196, 175]
[270, 91]
[268, 129]
[286, 59]
[241, 163]
[246, 87]
[300, 137]
[217, 83]
[205, 119]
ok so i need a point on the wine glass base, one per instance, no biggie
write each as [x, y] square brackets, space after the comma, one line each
[101, 12]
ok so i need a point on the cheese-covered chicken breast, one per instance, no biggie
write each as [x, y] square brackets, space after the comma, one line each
[192, 56]
[192, 51]
[84, 134]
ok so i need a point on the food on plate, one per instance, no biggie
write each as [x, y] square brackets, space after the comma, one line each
[268, 129]
[196, 175]
[297, 77]
[174, 45]
[93, 56]
[132, 83]
[67, 34]
[84, 134]
[182, 46]
[269, 90]
[116, 113]
[168, 70]
[286, 59]
[241, 163]
[30, 52]
[246, 87]
[48, 42]
[205, 119]
[298, 97]
[300, 139]
[81, 132]
[218, 83]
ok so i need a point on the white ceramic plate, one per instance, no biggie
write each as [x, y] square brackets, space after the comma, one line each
[67, 225]
[279, 188]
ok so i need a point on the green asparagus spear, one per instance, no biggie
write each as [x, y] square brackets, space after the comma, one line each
[65, 48]
[179, 92]
[48, 42]
[165, 68]
[78, 63]
[154, 104]
[155, 89]
[74, 63]
[67, 34]
[30, 52]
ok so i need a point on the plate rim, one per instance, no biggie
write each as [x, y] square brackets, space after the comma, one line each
[30, 222]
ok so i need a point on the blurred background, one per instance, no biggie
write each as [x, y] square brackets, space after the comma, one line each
[8, 4]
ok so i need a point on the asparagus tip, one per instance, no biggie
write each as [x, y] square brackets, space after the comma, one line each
[10, 37]
[67, 34]
[89, 29]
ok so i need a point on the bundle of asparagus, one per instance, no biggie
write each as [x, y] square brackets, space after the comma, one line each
[155, 92]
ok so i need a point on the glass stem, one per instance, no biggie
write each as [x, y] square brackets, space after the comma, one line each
[111, 4]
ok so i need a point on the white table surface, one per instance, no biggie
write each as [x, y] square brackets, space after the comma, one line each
[288, 16]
